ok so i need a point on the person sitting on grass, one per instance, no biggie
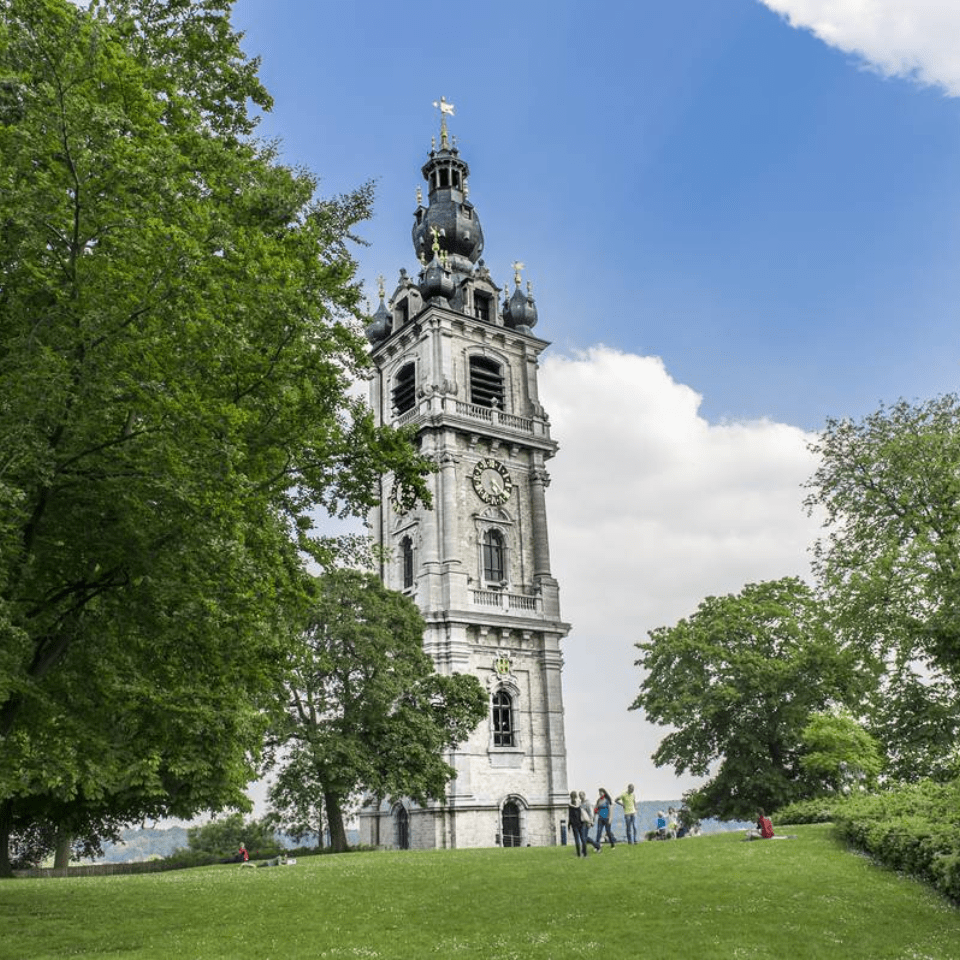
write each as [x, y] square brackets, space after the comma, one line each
[764, 830]
[280, 861]
[661, 825]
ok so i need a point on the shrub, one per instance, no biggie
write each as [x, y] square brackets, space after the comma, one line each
[913, 828]
[820, 810]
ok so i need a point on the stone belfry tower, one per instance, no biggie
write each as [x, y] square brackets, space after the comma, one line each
[461, 366]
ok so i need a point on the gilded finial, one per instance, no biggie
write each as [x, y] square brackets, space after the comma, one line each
[381, 286]
[529, 289]
[437, 234]
[445, 110]
[517, 267]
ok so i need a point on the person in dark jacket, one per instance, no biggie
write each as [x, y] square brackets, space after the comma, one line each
[577, 826]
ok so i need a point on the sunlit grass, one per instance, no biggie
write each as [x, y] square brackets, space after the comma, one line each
[708, 897]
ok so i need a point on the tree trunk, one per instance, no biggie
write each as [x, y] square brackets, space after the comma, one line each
[338, 834]
[6, 828]
[61, 859]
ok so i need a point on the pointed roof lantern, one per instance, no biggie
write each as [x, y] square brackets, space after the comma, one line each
[448, 208]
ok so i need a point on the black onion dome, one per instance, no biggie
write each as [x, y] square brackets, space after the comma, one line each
[520, 312]
[379, 327]
[436, 281]
[449, 212]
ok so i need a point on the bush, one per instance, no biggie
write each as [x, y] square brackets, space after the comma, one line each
[913, 828]
[820, 810]
[221, 839]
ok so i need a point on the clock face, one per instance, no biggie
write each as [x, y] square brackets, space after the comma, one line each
[492, 482]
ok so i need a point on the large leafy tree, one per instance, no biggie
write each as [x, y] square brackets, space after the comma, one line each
[889, 487]
[177, 313]
[366, 710]
[738, 681]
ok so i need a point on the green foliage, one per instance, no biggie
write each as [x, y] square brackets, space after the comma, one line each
[738, 682]
[915, 714]
[179, 320]
[912, 828]
[816, 810]
[839, 753]
[366, 709]
[889, 486]
[222, 837]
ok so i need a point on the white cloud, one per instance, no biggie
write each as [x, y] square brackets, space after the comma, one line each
[652, 509]
[906, 38]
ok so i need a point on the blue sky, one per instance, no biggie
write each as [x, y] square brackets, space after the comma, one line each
[694, 180]
[734, 230]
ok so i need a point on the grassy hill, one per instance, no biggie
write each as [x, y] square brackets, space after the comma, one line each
[701, 898]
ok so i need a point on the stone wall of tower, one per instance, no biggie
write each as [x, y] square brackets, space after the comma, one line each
[533, 773]
[507, 630]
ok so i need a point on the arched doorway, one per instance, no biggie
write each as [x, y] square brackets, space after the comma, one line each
[401, 823]
[510, 824]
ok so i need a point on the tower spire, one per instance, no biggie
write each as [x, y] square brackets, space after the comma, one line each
[448, 208]
[445, 109]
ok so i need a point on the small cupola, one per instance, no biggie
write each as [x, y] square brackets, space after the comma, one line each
[519, 310]
[381, 324]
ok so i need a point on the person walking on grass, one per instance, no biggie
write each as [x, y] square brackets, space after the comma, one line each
[586, 818]
[628, 800]
[577, 826]
[604, 810]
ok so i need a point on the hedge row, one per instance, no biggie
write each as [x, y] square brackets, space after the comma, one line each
[914, 828]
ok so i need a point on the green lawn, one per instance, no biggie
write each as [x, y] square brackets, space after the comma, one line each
[709, 897]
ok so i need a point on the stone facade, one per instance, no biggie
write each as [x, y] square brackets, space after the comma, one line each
[461, 366]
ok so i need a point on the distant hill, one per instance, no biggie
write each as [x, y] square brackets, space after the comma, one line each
[150, 843]
[647, 819]
[144, 843]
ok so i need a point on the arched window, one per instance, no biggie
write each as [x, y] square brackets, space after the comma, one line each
[503, 719]
[493, 565]
[510, 824]
[486, 382]
[404, 388]
[406, 562]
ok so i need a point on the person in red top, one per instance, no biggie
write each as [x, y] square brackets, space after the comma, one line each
[764, 829]
[242, 855]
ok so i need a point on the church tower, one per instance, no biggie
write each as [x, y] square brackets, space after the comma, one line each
[460, 365]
